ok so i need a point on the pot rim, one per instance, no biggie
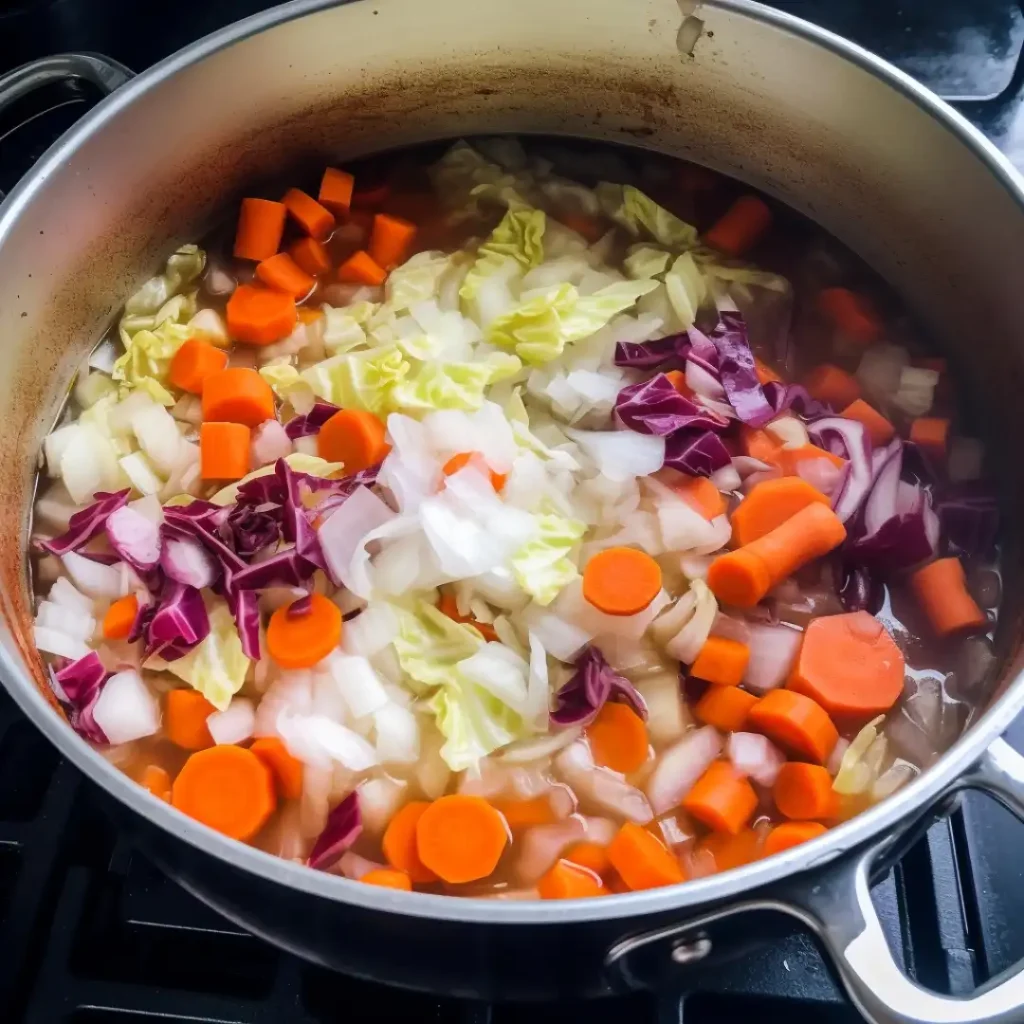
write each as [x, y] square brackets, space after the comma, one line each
[903, 807]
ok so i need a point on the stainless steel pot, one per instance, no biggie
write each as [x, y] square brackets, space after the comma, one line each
[746, 90]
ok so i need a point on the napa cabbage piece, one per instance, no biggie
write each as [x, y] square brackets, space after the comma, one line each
[638, 213]
[542, 566]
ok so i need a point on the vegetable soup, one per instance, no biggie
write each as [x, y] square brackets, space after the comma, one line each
[516, 519]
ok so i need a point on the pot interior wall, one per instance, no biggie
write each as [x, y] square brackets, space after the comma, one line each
[753, 100]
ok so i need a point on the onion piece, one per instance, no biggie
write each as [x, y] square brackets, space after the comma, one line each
[601, 787]
[681, 766]
[234, 725]
[95, 578]
[126, 710]
[756, 756]
[773, 649]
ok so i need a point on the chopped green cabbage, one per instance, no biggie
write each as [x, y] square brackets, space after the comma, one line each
[474, 723]
[181, 269]
[862, 761]
[635, 211]
[644, 261]
[416, 280]
[451, 385]
[429, 644]
[286, 382]
[360, 380]
[147, 358]
[519, 238]
[686, 289]
[542, 566]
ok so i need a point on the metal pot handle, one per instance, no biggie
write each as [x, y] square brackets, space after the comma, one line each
[104, 73]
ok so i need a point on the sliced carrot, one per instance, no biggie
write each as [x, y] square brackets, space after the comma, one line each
[463, 459]
[742, 577]
[721, 661]
[702, 496]
[722, 799]
[740, 227]
[390, 240]
[227, 788]
[224, 451]
[157, 781]
[399, 843]
[283, 274]
[642, 860]
[850, 665]
[568, 881]
[520, 814]
[260, 316]
[590, 856]
[732, 851]
[449, 606]
[288, 771]
[832, 385]
[388, 878]
[804, 792]
[765, 374]
[316, 220]
[302, 640]
[185, 715]
[260, 227]
[461, 838]
[795, 722]
[759, 444]
[355, 437]
[360, 268]
[621, 581]
[237, 394]
[678, 380]
[312, 256]
[618, 738]
[769, 504]
[851, 314]
[941, 591]
[932, 434]
[193, 363]
[724, 707]
[120, 617]
[789, 460]
[879, 429]
[790, 834]
[336, 191]
[591, 228]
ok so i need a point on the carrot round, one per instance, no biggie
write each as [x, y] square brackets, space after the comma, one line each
[185, 715]
[224, 451]
[463, 459]
[399, 843]
[520, 814]
[354, 437]
[941, 591]
[302, 640]
[312, 256]
[117, 623]
[677, 378]
[260, 227]
[287, 770]
[449, 606]
[832, 385]
[742, 577]
[740, 227]
[850, 314]
[769, 504]
[732, 851]
[804, 792]
[237, 394]
[316, 220]
[227, 788]
[790, 834]
[796, 723]
[388, 878]
[283, 274]
[361, 268]
[721, 798]
[569, 881]
[260, 316]
[461, 838]
[850, 665]
[618, 738]
[157, 781]
[590, 856]
[336, 191]
[390, 240]
[621, 581]
[642, 860]
[879, 429]
[724, 707]
[932, 434]
[702, 496]
[721, 661]
[193, 363]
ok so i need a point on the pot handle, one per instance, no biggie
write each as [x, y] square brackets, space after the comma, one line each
[103, 72]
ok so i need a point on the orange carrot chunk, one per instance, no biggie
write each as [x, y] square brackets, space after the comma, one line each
[941, 591]
[449, 606]
[590, 856]
[740, 227]
[287, 770]
[832, 385]
[796, 723]
[804, 792]
[790, 834]
[725, 707]
[702, 496]
[354, 437]
[300, 640]
[850, 665]
[185, 715]
[722, 799]
[316, 220]
[618, 738]
[769, 504]
[721, 661]
[568, 881]
[399, 843]
[742, 577]
[932, 434]
[361, 268]
[237, 394]
[312, 256]
[520, 814]
[621, 581]
[732, 851]
[117, 623]
[388, 878]
[879, 429]
[678, 380]
[390, 240]
[850, 314]
[193, 363]
[260, 227]
[759, 444]
[227, 788]
[283, 274]
[224, 451]
[260, 316]
[336, 191]
[463, 459]
[642, 860]
[461, 838]
[157, 781]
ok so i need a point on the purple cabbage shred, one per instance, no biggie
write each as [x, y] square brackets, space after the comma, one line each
[592, 685]
[310, 422]
[344, 824]
[87, 523]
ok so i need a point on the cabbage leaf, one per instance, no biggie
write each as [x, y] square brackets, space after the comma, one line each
[637, 212]
[542, 566]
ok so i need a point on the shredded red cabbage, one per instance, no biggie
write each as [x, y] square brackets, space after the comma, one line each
[969, 518]
[310, 422]
[737, 371]
[87, 523]
[344, 824]
[849, 440]
[251, 528]
[593, 684]
[179, 621]
[697, 452]
[647, 355]
[796, 398]
[79, 686]
[654, 406]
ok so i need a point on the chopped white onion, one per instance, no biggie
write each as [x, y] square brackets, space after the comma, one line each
[681, 766]
[773, 649]
[95, 578]
[379, 799]
[357, 682]
[398, 735]
[370, 631]
[126, 710]
[603, 788]
[319, 741]
[668, 716]
[158, 436]
[270, 442]
[756, 756]
[542, 845]
[64, 593]
[141, 474]
[621, 454]
[51, 641]
[235, 724]
[73, 621]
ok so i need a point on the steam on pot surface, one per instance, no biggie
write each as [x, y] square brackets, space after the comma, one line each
[521, 519]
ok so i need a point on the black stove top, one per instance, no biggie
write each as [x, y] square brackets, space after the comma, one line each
[91, 933]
